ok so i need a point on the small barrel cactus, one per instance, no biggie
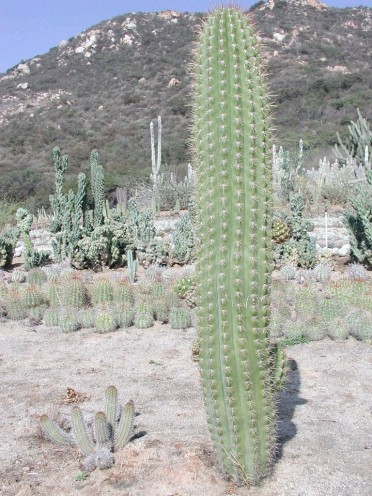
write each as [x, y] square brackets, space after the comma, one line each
[144, 316]
[161, 310]
[180, 318]
[73, 293]
[18, 276]
[86, 317]
[32, 296]
[68, 320]
[124, 316]
[36, 276]
[122, 293]
[51, 316]
[105, 321]
[101, 291]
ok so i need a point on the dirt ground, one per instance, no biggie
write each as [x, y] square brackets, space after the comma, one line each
[324, 418]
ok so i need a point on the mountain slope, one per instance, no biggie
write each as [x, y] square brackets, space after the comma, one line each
[102, 88]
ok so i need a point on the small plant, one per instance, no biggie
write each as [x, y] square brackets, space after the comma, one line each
[15, 306]
[338, 331]
[101, 292]
[322, 272]
[105, 321]
[288, 272]
[125, 316]
[356, 271]
[180, 318]
[18, 276]
[86, 317]
[82, 476]
[51, 316]
[144, 316]
[112, 429]
[122, 293]
[73, 293]
[36, 276]
[68, 320]
[32, 296]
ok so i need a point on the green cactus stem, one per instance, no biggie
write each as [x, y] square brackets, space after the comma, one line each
[231, 144]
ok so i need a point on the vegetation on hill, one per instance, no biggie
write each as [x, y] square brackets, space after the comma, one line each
[102, 88]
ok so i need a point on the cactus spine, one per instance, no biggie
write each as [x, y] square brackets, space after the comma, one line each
[234, 220]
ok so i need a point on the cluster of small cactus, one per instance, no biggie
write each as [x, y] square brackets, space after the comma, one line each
[183, 240]
[112, 429]
[299, 249]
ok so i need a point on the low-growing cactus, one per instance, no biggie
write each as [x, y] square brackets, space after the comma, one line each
[101, 292]
[15, 306]
[322, 272]
[293, 331]
[105, 321]
[180, 318]
[32, 296]
[314, 330]
[357, 271]
[51, 316]
[86, 317]
[112, 429]
[288, 272]
[338, 331]
[37, 313]
[122, 293]
[144, 317]
[52, 291]
[125, 316]
[73, 293]
[18, 276]
[161, 310]
[36, 276]
[68, 320]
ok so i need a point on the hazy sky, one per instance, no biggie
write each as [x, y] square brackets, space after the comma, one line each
[31, 27]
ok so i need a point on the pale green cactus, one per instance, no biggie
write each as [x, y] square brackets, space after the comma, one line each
[233, 194]
[112, 429]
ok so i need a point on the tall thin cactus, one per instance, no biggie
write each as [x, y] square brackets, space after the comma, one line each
[155, 163]
[98, 188]
[231, 144]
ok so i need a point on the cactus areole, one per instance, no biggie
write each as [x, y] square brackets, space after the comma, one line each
[230, 137]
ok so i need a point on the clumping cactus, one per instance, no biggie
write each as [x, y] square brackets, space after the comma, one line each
[112, 429]
[51, 316]
[105, 321]
[180, 318]
[233, 198]
[36, 276]
[293, 331]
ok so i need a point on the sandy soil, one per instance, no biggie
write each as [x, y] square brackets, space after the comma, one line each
[324, 420]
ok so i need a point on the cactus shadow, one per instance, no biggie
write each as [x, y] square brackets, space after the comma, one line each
[287, 401]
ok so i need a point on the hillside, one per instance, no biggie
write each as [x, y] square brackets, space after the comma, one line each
[102, 88]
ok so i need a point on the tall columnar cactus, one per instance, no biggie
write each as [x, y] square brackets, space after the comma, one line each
[98, 188]
[231, 142]
[155, 164]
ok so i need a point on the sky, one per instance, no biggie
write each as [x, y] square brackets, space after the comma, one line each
[31, 27]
